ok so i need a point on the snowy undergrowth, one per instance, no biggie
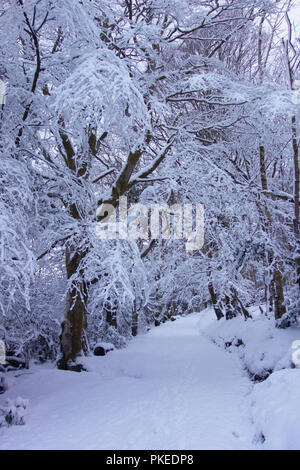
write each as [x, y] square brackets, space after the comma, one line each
[261, 346]
[275, 410]
[266, 354]
[13, 412]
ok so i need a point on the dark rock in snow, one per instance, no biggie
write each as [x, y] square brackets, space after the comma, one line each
[102, 349]
[99, 351]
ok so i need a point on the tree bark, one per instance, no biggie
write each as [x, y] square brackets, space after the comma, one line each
[296, 197]
[275, 290]
[111, 313]
[214, 299]
[135, 320]
[279, 306]
[75, 318]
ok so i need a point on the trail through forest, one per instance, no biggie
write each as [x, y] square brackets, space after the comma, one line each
[169, 389]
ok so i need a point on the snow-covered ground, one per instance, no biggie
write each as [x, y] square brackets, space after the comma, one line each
[261, 347]
[276, 409]
[171, 388]
[267, 353]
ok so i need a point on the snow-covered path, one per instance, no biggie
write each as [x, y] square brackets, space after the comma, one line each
[169, 389]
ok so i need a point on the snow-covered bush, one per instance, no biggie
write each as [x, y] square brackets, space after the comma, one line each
[261, 347]
[13, 412]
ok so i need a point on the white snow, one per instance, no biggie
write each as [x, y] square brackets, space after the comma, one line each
[169, 389]
[172, 388]
[264, 347]
[275, 401]
[276, 409]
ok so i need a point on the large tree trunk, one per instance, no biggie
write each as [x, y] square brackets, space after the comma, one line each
[71, 338]
[75, 318]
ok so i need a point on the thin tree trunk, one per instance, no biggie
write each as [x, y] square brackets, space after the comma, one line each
[135, 320]
[214, 299]
[275, 283]
[111, 313]
[280, 309]
[296, 197]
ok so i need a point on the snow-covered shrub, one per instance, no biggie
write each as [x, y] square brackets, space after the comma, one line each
[36, 339]
[16, 255]
[121, 288]
[293, 305]
[261, 346]
[13, 412]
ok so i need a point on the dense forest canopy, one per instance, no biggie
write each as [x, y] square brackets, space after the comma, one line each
[164, 102]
